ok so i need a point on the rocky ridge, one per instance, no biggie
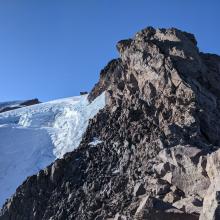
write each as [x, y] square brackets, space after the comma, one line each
[158, 151]
[8, 106]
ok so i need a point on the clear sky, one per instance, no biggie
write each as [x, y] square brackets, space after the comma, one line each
[56, 48]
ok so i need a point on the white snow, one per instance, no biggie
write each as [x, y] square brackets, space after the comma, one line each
[12, 104]
[95, 141]
[33, 137]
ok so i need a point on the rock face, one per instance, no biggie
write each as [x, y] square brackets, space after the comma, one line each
[157, 156]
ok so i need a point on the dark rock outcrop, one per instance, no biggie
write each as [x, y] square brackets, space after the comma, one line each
[160, 133]
[83, 93]
[8, 106]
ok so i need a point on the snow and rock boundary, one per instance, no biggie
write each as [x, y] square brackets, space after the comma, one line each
[33, 137]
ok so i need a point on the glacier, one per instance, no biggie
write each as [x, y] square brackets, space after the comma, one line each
[33, 137]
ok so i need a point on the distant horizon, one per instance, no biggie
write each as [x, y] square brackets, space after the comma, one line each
[56, 49]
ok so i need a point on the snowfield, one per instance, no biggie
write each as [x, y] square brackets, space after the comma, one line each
[10, 104]
[33, 137]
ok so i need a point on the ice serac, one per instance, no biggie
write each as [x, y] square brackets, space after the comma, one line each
[33, 137]
[152, 152]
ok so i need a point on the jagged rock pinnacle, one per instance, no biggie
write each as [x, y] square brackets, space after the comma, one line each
[159, 137]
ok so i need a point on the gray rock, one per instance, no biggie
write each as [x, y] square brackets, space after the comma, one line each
[191, 205]
[211, 204]
[139, 189]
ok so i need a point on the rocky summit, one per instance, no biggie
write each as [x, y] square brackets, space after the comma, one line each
[156, 152]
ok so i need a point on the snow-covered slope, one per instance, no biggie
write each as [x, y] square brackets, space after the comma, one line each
[10, 104]
[7, 106]
[32, 137]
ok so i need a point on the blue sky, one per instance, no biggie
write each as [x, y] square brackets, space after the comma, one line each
[56, 48]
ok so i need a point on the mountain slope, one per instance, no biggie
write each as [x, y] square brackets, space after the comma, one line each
[8, 106]
[156, 155]
[33, 137]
